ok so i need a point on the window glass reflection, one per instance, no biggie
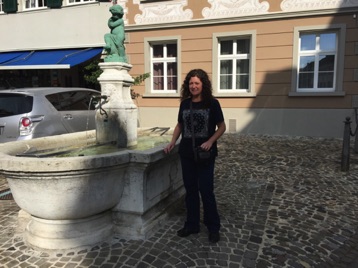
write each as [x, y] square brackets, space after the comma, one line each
[308, 42]
[226, 47]
[328, 41]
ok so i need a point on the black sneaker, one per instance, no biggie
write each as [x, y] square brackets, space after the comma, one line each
[214, 237]
[184, 232]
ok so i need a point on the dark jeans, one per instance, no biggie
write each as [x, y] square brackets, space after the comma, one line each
[199, 178]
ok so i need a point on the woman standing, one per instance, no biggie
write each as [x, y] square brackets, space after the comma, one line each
[208, 125]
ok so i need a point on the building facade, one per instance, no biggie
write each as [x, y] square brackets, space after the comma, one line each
[278, 67]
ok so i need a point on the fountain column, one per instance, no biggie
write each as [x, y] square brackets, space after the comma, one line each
[117, 120]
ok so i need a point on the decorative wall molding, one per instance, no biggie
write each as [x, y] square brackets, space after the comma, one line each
[298, 5]
[234, 8]
[163, 12]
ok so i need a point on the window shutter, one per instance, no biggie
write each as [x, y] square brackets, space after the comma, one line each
[54, 3]
[10, 6]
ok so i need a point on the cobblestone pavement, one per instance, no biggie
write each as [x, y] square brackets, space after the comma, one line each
[283, 202]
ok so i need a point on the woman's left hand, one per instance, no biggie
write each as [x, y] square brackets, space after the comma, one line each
[206, 146]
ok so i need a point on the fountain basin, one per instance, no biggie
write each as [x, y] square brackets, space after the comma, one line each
[81, 201]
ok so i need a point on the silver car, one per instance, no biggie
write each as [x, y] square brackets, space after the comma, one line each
[29, 113]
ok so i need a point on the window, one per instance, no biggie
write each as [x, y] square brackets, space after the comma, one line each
[1, 6]
[72, 100]
[319, 61]
[33, 4]
[163, 67]
[36, 4]
[233, 67]
[70, 2]
[14, 104]
[234, 60]
[149, 1]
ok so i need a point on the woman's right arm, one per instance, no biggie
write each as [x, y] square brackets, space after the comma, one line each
[175, 137]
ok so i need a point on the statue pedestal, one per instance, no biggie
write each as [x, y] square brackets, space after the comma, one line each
[117, 120]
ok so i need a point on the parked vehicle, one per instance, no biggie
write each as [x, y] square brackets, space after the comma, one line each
[29, 113]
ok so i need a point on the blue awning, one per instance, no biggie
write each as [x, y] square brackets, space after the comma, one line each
[7, 56]
[46, 59]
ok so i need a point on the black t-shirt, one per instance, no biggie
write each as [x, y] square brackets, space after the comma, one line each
[205, 122]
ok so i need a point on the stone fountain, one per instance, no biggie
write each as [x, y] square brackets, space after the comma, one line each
[74, 202]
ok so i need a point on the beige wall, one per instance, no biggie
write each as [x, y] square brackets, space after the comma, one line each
[271, 111]
[274, 52]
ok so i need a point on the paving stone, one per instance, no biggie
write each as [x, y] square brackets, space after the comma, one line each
[283, 202]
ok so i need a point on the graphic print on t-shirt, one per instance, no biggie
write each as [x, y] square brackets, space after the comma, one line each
[201, 123]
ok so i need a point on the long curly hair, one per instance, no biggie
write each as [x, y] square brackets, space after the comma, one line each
[206, 94]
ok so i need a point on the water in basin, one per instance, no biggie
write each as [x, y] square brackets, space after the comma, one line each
[144, 143]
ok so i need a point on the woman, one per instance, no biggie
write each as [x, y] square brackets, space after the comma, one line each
[208, 125]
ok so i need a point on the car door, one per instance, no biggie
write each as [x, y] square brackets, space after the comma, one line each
[77, 109]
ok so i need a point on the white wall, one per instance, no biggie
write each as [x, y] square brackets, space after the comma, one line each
[66, 27]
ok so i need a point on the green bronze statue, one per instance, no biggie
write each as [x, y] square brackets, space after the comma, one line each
[115, 39]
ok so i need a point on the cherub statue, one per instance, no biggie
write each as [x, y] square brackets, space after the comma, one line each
[115, 39]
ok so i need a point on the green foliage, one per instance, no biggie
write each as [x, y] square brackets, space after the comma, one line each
[91, 73]
[139, 79]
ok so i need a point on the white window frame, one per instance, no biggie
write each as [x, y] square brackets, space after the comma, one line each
[1, 6]
[217, 38]
[36, 5]
[79, 2]
[337, 89]
[149, 90]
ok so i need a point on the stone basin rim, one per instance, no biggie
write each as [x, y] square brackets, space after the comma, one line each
[9, 162]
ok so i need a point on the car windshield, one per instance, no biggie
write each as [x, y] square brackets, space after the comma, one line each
[14, 104]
